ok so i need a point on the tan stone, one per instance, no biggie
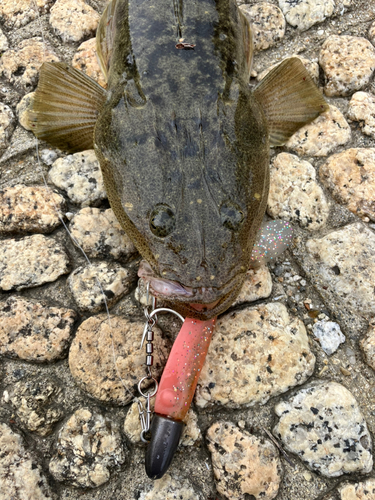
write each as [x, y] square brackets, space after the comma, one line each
[358, 491]
[20, 12]
[305, 13]
[73, 19]
[367, 344]
[85, 59]
[268, 24]
[350, 176]
[7, 123]
[257, 285]
[362, 109]
[311, 66]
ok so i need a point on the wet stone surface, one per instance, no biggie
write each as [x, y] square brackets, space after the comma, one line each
[324, 426]
[21, 65]
[350, 177]
[295, 194]
[348, 63]
[80, 177]
[255, 354]
[30, 261]
[268, 24]
[37, 403]
[92, 357]
[32, 209]
[345, 264]
[303, 14]
[33, 331]
[88, 284]
[88, 448]
[322, 136]
[21, 477]
[73, 20]
[85, 59]
[244, 465]
[100, 234]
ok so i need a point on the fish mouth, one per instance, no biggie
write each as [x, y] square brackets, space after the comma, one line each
[197, 302]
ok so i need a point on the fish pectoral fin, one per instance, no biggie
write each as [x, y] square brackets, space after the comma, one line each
[65, 107]
[290, 99]
[105, 37]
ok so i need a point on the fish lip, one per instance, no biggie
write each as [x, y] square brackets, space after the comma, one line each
[182, 293]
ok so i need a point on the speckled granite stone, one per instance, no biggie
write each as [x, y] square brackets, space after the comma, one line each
[257, 285]
[348, 63]
[346, 266]
[22, 108]
[294, 193]
[92, 357]
[80, 176]
[358, 491]
[34, 331]
[7, 124]
[20, 12]
[367, 345]
[244, 465]
[3, 42]
[21, 65]
[350, 176]
[21, 477]
[171, 488]
[132, 426]
[371, 33]
[329, 335]
[362, 109]
[255, 354]
[85, 59]
[88, 448]
[100, 234]
[303, 14]
[324, 426]
[33, 209]
[88, 284]
[268, 24]
[30, 261]
[311, 66]
[73, 20]
[322, 136]
[37, 403]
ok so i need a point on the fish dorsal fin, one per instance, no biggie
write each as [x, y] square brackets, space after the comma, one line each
[290, 99]
[65, 107]
[105, 35]
[247, 43]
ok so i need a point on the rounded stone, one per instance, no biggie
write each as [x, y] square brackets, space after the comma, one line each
[7, 124]
[171, 488]
[85, 59]
[350, 177]
[267, 22]
[322, 136]
[100, 235]
[257, 285]
[244, 465]
[99, 285]
[22, 109]
[303, 14]
[37, 403]
[367, 345]
[362, 109]
[348, 63]
[21, 477]
[19, 13]
[105, 349]
[329, 335]
[324, 426]
[294, 193]
[79, 175]
[88, 448]
[371, 33]
[255, 354]
[21, 65]
[3, 42]
[73, 20]
[364, 490]
[345, 265]
[33, 209]
[34, 331]
[31, 261]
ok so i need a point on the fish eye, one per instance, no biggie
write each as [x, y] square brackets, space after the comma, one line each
[231, 215]
[162, 221]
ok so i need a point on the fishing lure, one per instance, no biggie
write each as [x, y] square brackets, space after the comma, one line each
[183, 144]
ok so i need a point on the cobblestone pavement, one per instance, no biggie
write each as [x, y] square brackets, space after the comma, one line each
[292, 362]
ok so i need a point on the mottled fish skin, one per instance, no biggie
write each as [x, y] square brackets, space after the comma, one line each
[181, 134]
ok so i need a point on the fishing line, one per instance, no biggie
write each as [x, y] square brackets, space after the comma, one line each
[74, 240]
